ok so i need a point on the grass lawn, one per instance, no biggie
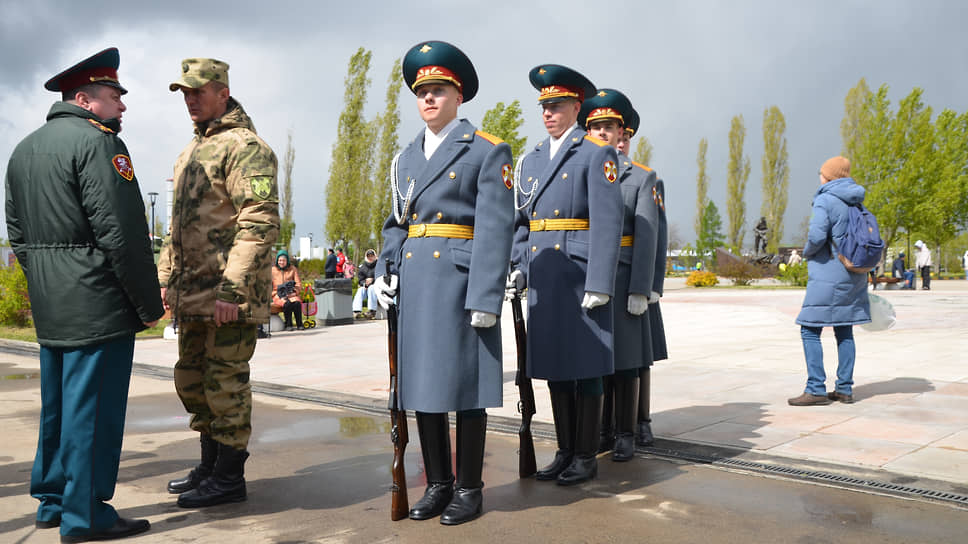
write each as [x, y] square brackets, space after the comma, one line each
[27, 334]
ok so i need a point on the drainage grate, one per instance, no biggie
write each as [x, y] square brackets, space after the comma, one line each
[901, 490]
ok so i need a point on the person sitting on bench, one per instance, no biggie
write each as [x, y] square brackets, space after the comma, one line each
[285, 291]
[898, 270]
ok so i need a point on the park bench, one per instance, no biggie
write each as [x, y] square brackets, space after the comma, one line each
[889, 281]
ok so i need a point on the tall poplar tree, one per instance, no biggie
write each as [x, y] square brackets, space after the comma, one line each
[387, 146]
[347, 195]
[738, 172]
[643, 151]
[503, 122]
[287, 225]
[856, 119]
[702, 185]
[776, 175]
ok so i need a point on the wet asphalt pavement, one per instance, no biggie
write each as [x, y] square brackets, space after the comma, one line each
[320, 474]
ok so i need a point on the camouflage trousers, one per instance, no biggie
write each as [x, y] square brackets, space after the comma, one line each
[212, 379]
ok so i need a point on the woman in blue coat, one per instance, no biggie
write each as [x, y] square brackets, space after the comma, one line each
[835, 297]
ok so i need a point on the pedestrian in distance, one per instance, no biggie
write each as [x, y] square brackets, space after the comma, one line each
[365, 275]
[923, 263]
[329, 265]
[285, 291]
[76, 222]
[566, 248]
[835, 297]
[899, 270]
[446, 246]
[215, 272]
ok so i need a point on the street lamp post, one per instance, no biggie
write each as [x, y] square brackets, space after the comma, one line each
[310, 245]
[153, 196]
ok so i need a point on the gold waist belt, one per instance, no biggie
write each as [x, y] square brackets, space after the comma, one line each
[559, 224]
[627, 241]
[441, 230]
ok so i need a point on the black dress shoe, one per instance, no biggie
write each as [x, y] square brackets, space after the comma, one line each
[466, 505]
[581, 469]
[49, 524]
[121, 528]
[644, 436]
[435, 500]
[624, 447]
[558, 465]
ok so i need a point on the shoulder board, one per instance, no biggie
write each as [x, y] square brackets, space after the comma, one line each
[100, 127]
[595, 140]
[642, 166]
[489, 137]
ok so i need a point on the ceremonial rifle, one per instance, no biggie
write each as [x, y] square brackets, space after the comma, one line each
[526, 462]
[399, 507]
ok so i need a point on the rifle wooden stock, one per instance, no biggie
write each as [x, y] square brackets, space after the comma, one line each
[399, 506]
[526, 462]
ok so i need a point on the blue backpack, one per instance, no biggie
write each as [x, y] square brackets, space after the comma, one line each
[862, 246]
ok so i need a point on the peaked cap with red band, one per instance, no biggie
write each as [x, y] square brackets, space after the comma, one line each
[632, 123]
[101, 68]
[605, 104]
[557, 83]
[440, 62]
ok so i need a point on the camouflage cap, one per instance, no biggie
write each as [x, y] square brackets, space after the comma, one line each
[197, 72]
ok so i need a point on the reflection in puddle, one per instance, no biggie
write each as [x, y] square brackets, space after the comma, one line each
[326, 428]
[351, 427]
[31, 376]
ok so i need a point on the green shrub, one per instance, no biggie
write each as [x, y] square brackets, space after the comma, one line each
[702, 278]
[311, 269]
[794, 274]
[14, 302]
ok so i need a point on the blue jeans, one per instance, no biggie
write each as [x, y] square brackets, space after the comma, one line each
[813, 351]
[370, 294]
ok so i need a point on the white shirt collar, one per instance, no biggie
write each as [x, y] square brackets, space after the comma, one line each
[556, 143]
[432, 141]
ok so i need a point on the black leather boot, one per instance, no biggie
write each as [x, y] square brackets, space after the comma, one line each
[644, 428]
[226, 484]
[468, 500]
[200, 472]
[585, 465]
[563, 412]
[626, 409]
[435, 446]
[607, 438]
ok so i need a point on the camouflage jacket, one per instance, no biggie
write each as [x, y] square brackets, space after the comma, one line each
[225, 219]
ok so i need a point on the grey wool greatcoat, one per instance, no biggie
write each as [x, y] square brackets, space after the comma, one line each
[444, 363]
[566, 341]
[636, 264]
[659, 349]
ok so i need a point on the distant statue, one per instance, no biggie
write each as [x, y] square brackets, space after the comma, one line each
[759, 236]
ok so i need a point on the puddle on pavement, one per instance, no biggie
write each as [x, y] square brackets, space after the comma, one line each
[327, 428]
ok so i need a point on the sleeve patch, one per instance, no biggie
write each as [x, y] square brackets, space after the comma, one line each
[611, 172]
[506, 176]
[261, 186]
[122, 165]
[489, 137]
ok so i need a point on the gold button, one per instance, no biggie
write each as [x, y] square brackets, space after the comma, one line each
[409, 254]
[534, 248]
[436, 254]
[540, 226]
[564, 176]
[467, 135]
[440, 215]
[529, 178]
[452, 175]
[557, 247]
[557, 213]
[421, 231]
[626, 163]
[575, 139]
[414, 217]
[540, 144]
[534, 214]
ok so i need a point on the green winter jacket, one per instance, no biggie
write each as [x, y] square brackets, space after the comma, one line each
[76, 222]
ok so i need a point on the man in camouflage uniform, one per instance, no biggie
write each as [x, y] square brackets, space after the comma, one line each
[215, 275]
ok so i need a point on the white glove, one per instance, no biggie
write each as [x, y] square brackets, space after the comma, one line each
[515, 285]
[638, 304]
[385, 292]
[592, 300]
[654, 297]
[482, 320]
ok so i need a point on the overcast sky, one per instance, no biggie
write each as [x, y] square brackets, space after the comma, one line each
[688, 66]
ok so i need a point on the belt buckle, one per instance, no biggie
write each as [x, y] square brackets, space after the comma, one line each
[421, 230]
[542, 225]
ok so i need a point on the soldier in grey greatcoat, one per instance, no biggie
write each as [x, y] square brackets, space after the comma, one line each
[447, 246]
[567, 237]
[606, 114]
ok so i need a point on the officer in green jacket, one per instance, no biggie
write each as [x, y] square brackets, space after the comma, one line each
[76, 222]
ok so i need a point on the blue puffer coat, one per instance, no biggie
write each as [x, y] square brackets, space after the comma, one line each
[834, 295]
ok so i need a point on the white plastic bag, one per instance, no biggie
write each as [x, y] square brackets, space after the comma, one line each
[882, 314]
